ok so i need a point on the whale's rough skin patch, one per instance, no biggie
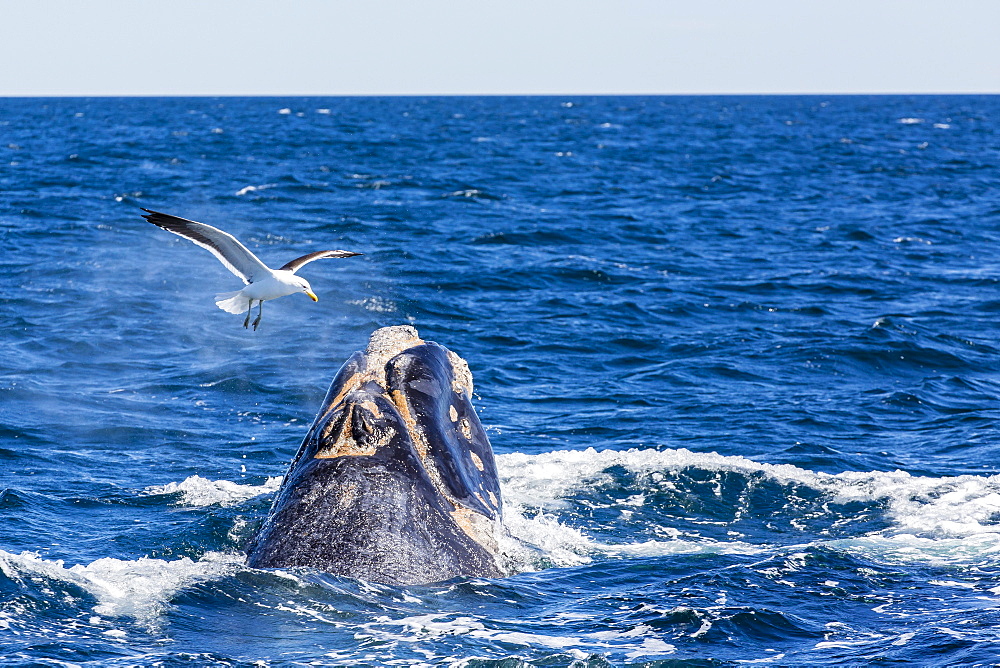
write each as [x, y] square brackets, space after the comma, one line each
[395, 481]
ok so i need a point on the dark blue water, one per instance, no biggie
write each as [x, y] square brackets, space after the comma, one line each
[739, 358]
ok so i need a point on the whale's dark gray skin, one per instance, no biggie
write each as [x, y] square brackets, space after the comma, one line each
[395, 481]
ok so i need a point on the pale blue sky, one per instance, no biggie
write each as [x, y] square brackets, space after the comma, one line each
[328, 47]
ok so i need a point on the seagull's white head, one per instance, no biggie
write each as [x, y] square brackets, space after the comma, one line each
[303, 284]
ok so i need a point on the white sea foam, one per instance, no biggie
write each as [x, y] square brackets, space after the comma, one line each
[198, 491]
[536, 487]
[640, 641]
[251, 189]
[138, 589]
[953, 519]
[546, 480]
[561, 544]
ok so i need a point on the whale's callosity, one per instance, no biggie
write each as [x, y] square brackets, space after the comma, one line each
[395, 481]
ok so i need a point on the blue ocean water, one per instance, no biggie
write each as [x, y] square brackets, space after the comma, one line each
[738, 358]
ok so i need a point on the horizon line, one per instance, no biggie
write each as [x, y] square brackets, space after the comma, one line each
[557, 94]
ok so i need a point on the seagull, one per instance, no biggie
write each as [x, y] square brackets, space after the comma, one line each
[262, 282]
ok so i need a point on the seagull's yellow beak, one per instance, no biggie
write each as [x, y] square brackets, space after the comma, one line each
[312, 296]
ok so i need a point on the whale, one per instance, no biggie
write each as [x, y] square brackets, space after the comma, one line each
[395, 482]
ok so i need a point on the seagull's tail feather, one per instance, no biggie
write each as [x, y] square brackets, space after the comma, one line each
[232, 302]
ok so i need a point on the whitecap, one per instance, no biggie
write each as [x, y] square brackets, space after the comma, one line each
[250, 189]
[468, 192]
[138, 589]
[950, 519]
[198, 491]
[660, 548]
[905, 548]
[638, 641]
[542, 535]
[535, 487]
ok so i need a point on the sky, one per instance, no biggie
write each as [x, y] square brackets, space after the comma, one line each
[476, 47]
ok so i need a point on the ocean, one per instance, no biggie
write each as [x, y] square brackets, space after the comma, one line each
[738, 358]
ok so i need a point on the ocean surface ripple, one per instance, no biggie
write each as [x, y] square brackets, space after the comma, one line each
[738, 357]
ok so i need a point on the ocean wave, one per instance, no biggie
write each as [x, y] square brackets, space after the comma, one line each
[638, 642]
[700, 273]
[246, 190]
[932, 518]
[138, 589]
[197, 491]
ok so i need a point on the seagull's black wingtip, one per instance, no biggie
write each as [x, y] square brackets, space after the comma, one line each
[152, 216]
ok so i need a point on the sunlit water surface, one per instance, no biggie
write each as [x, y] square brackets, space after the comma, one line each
[738, 358]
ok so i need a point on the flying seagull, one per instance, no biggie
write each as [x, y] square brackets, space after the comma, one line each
[262, 282]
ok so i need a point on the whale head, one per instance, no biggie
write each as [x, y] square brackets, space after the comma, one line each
[395, 481]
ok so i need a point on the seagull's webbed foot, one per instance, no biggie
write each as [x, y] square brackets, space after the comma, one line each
[246, 321]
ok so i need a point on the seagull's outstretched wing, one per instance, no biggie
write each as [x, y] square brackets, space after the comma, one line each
[297, 263]
[237, 257]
